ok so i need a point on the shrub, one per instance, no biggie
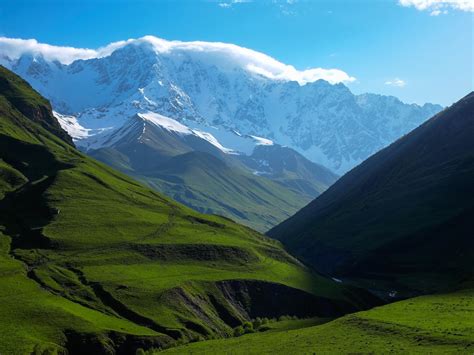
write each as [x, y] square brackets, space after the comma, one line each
[248, 327]
[238, 331]
[257, 323]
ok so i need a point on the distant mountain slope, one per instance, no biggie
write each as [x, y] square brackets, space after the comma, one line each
[291, 169]
[222, 85]
[402, 221]
[192, 167]
[93, 262]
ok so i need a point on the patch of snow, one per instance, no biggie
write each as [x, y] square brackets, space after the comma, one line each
[262, 141]
[259, 173]
[175, 126]
[165, 122]
[71, 126]
[211, 139]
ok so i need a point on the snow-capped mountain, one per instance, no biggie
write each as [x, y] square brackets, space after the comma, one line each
[223, 91]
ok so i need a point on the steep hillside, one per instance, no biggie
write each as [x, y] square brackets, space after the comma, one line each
[193, 168]
[93, 262]
[222, 85]
[402, 221]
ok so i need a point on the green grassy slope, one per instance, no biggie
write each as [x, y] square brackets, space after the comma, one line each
[197, 174]
[92, 261]
[437, 324]
[403, 219]
[209, 185]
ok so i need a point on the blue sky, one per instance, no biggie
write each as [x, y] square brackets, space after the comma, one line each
[404, 51]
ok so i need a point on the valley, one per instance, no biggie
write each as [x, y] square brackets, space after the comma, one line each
[150, 102]
[201, 197]
[95, 262]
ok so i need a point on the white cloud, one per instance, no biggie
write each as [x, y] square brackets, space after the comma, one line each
[396, 82]
[229, 4]
[16, 47]
[224, 55]
[437, 7]
[438, 12]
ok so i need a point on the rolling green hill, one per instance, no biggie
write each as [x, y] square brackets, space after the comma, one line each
[437, 324]
[196, 173]
[94, 262]
[402, 221]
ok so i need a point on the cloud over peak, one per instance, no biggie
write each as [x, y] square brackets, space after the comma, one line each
[223, 55]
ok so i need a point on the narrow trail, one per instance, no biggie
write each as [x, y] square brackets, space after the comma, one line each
[165, 227]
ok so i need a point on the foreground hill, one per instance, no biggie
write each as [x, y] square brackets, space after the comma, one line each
[436, 324]
[93, 262]
[190, 166]
[402, 221]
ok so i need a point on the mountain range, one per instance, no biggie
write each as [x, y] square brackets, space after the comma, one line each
[223, 86]
[255, 145]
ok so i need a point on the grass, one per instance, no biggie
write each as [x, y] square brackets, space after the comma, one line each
[436, 324]
[31, 317]
[92, 261]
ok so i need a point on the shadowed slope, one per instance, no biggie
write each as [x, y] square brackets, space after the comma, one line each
[403, 219]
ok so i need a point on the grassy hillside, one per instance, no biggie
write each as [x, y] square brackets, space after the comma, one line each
[207, 184]
[199, 175]
[401, 221]
[93, 262]
[437, 324]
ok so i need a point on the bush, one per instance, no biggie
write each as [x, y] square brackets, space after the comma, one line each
[238, 331]
[257, 323]
[248, 327]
